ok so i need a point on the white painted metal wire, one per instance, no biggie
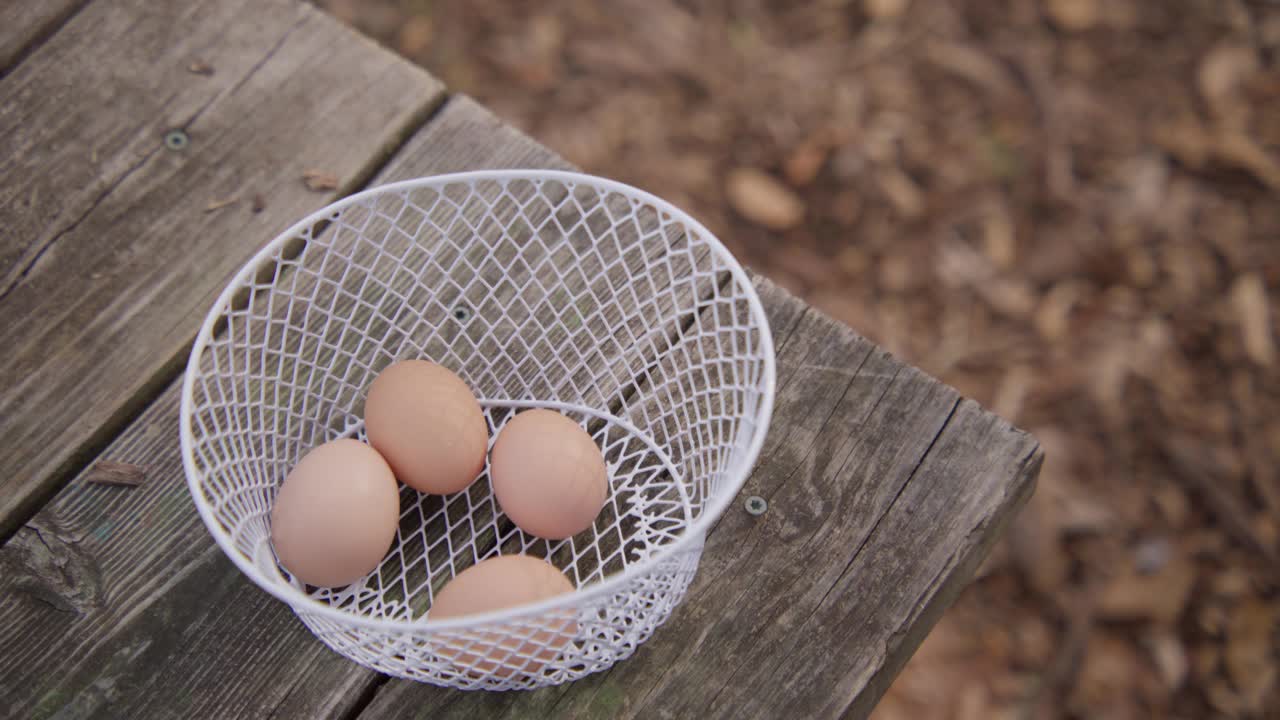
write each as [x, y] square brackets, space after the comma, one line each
[540, 289]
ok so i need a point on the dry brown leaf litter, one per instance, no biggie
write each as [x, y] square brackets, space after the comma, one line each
[1068, 209]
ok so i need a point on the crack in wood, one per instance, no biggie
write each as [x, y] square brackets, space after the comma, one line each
[17, 275]
[947, 582]
[861, 546]
[153, 386]
[856, 553]
[892, 503]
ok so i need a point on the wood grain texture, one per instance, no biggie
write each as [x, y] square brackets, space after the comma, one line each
[85, 588]
[23, 25]
[109, 253]
[115, 603]
[114, 600]
[885, 491]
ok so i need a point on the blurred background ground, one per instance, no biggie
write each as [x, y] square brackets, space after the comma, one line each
[1068, 209]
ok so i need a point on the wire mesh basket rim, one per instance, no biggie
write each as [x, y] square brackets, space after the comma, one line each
[695, 532]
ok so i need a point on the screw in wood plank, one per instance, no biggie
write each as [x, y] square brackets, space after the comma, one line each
[176, 140]
[756, 505]
[461, 313]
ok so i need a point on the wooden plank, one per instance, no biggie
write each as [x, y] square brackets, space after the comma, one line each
[82, 637]
[110, 584]
[885, 491]
[813, 467]
[102, 572]
[23, 25]
[113, 245]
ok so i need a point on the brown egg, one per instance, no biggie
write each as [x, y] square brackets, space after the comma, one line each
[336, 514]
[548, 475]
[501, 582]
[427, 424]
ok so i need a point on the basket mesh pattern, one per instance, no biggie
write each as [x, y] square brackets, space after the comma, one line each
[540, 290]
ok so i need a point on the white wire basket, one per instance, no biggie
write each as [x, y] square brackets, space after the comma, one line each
[540, 289]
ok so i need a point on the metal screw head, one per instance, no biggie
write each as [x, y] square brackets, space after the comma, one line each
[756, 505]
[176, 140]
[461, 313]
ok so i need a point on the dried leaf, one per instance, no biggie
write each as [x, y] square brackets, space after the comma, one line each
[884, 9]
[1224, 69]
[898, 272]
[1084, 514]
[960, 266]
[1141, 266]
[1170, 658]
[320, 180]
[1206, 660]
[1249, 298]
[1110, 369]
[1013, 298]
[1055, 309]
[848, 207]
[200, 67]
[763, 200]
[853, 260]
[1224, 699]
[1011, 392]
[1013, 686]
[996, 642]
[1206, 543]
[903, 192]
[1263, 473]
[415, 35]
[971, 64]
[1108, 672]
[998, 240]
[1173, 505]
[806, 161]
[1148, 179]
[219, 204]
[1074, 14]
[974, 702]
[122, 474]
[1248, 656]
[1036, 545]
[1254, 700]
[1231, 583]
[1161, 597]
[258, 203]
[1266, 530]
[1239, 150]
[1034, 642]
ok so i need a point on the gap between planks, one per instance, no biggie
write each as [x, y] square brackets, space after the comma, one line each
[19, 48]
[133, 407]
[98, 322]
[621, 401]
[464, 136]
[944, 466]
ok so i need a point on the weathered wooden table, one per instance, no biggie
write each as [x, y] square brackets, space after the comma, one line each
[146, 151]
